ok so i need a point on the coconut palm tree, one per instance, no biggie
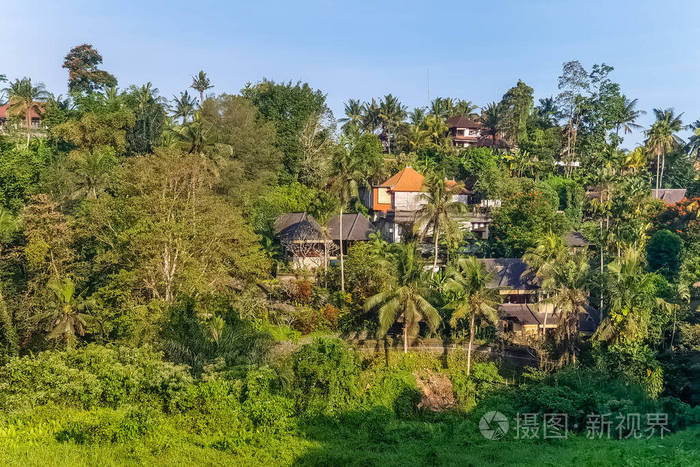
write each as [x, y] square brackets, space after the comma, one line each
[391, 114]
[662, 138]
[353, 116]
[627, 117]
[93, 168]
[542, 261]
[348, 175]
[183, 106]
[694, 140]
[434, 215]
[571, 278]
[440, 108]
[465, 109]
[371, 120]
[492, 117]
[405, 301]
[417, 116]
[471, 297]
[200, 83]
[25, 99]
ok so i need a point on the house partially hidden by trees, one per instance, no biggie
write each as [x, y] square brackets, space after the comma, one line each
[465, 132]
[523, 308]
[394, 204]
[309, 245]
[6, 115]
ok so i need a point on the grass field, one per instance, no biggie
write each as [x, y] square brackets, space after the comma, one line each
[358, 438]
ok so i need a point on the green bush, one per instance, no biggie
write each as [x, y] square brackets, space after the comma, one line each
[110, 427]
[470, 390]
[326, 376]
[395, 390]
[92, 376]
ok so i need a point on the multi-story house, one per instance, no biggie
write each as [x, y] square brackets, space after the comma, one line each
[464, 132]
[395, 203]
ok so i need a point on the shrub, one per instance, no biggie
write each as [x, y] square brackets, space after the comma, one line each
[394, 390]
[326, 376]
[90, 377]
[110, 427]
[470, 390]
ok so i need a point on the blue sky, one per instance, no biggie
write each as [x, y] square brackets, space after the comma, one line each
[361, 49]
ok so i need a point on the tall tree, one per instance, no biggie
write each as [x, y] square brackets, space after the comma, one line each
[347, 175]
[517, 104]
[289, 107]
[83, 75]
[353, 116]
[627, 117]
[183, 106]
[573, 82]
[492, 117]
[571, 278]
[543, 260]
[662, 138]
[200, 83]
[25, 99]
[391, 113]
[404, 301]
[435, 216]
[471, 297]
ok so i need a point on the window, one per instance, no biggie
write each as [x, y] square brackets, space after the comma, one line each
[383, 196]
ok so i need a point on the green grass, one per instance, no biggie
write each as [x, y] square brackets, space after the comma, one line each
[369, 437]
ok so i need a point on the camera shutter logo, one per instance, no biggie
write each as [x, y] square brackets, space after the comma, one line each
[493, 425]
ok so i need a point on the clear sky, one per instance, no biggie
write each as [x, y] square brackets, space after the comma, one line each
[471, 50]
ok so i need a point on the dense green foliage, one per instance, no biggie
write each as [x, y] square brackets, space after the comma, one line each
[150, 310]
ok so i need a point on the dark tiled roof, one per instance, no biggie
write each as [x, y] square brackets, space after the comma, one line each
[292, 225]
[356, 227]
[524, 313]
[462, 122]
[669, 195]
[509, 273]
[575, 239]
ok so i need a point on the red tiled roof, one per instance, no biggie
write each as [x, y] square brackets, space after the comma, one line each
[3, 112]
[405, 180]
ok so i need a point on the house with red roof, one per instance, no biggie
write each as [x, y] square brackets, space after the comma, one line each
[395, 203]
[6, 115]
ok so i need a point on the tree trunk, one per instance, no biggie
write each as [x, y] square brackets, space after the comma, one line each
[663, 165]
[544, 325]
[28, 123]
[405, 335]
[471, 342]
[435, 241]
[342, 264]
[657, 173]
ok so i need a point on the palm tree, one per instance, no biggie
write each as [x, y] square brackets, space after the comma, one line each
[406, 300]
[542, 260]
[195, 134]
[492, 117]
[353, 115]
[25, 99]
[93, 168]
[434, 215]
[632, 299]
[570, 278]
[391, 114]
[417, 116]
[547, 111]
[694, 140]
[471, 297]
[371, 120]
[347, 177]
[661, 138]
[465, 109]
[627, 117]
[440, 108]
[68, 322]
[183, 106]
[201, 82]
